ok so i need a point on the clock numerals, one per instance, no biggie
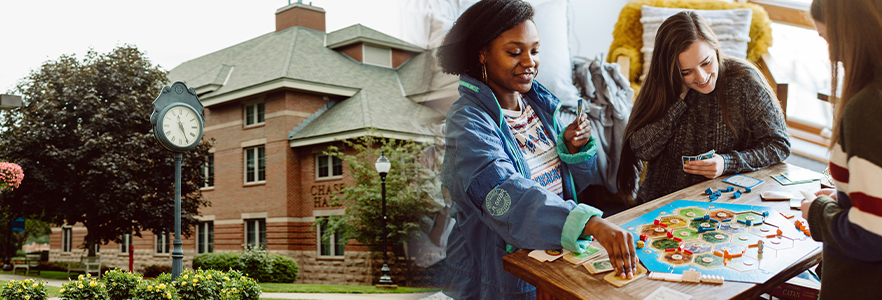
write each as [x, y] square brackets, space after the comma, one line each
[168, 133]
[173, 139]
[192, 134]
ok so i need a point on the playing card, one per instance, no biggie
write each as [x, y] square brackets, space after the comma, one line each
[776, 195]
[617, 281]
[547, 255]
[579, 258]
[599, 266]
[743, 181]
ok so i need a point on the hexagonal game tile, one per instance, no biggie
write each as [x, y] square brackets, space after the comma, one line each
[697, 246]
[732, 247]
[708, 261]
[763, 230]
[721, 214]
[743, 264]
[778, 243]
[685, 234]
[767, 253]
[691, 212]
[675, 258]
[674, 221]
[696, 224]
[715, 237]
[750, 216]
[665, 244]
[733, 227]
[654, 231]
[745, 239]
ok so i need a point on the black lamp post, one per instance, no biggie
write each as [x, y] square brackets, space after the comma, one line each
[383, 167]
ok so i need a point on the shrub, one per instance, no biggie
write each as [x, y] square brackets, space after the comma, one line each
[27, 289]
[238, 286]
[284, 269]
[85, 287]
[156, 270]
[221, 261]
[198, 285]
[150, 290]
[257, 263]
[121, 284]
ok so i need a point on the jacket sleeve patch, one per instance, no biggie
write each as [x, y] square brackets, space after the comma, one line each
[497, 202]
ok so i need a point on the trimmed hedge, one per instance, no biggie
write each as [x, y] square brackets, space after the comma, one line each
[221, 261]
[283, 269]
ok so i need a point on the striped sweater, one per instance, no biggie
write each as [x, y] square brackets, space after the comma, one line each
[851, 225]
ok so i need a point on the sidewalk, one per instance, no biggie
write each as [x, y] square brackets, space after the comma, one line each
[429, 296]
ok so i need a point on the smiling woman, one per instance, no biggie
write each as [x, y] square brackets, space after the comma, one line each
[696, 99]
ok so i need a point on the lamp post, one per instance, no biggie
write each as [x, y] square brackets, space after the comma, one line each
[383, 167]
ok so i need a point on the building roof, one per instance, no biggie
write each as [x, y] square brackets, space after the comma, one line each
[296, 58]
[359, 33]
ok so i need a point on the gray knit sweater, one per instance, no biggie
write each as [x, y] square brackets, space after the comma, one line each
[695, 125]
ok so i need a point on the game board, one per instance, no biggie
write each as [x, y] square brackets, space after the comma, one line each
[729, 248]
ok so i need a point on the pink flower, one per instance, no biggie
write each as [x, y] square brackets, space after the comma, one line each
[10, 176]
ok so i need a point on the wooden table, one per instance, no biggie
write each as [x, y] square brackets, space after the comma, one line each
[563, 280]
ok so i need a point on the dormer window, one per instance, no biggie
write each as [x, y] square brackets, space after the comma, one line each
[377, 56]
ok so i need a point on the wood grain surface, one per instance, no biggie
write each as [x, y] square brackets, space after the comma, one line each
[563, 280]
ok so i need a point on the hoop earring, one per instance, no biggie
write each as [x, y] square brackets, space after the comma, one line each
[484, 72]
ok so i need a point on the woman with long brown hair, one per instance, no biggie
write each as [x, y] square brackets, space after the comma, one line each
[849, 221]
[696, 99]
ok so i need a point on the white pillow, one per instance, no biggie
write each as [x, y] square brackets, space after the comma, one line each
[555, 63]
[732, 28]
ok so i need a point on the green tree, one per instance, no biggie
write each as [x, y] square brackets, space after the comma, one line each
[84, 139]
[408, 201]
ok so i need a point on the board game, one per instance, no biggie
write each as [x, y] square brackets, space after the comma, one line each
[719, 239]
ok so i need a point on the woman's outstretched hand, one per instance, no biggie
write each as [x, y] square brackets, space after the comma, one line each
[619, 244]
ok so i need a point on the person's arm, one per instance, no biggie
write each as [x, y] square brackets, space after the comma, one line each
[580, 156]
[855, 231]
[649, 141]
[771, 143]
[521, 211]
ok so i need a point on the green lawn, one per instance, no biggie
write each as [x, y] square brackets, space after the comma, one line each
[53, 291]
[337, 289]
[61, 275]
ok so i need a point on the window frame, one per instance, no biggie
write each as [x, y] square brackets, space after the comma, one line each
[166, 241]
[208, 172]
[257, 171]
[125, 241]
[259, 114]
[330, 167]
[66, 240]
[364, 47]
[206, 241]
[259, 235]
[333, 241]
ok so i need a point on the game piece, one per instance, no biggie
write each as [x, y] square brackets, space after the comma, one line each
[684, 233]
[729, 188]
[598, 266]
[721, 215]
[727, 220]
[722, 191]
[678, 239]
[737, 195]
[643, 237]
[690, 214]
[617, 281]
[743, 181]
[691, 276]
[765, 213]
[747, 190]
[640, 244]
[712, 279]
[759, 246]
[708, 191]
[669, 277]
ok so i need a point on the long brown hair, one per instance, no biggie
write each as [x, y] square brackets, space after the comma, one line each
[664, 84]
[853, 28]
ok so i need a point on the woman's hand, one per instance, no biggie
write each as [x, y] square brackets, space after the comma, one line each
[711, 168]
[807, 204]
[577, 134]
[827, 192]
[619, 244]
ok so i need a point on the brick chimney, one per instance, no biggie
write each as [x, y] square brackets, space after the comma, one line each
[299, 14]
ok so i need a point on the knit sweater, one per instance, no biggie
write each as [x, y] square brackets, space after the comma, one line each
[695, 125]
[851, 225]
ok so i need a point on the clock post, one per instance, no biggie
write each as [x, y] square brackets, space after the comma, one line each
[177, 125]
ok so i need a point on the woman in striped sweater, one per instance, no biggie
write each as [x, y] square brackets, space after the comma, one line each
[849, 220]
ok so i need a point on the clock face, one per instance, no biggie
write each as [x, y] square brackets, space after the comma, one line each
[181, 126]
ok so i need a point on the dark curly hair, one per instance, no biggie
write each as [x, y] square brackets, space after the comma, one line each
[475, 29]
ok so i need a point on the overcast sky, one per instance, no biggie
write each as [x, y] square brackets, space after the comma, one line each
[169, 32]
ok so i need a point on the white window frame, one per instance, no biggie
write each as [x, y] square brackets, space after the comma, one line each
[159, 240]
[364, 55]
[208, 172]
[252, 224]
[330, 160]
[126, 240]
[206, 242]
[256, 150]
[332, 241]
[259, 109]
[66, 239]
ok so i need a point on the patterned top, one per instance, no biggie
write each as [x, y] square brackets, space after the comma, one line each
[537, 148]
[695, 125]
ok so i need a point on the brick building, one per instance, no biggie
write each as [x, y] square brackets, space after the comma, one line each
[273, 104]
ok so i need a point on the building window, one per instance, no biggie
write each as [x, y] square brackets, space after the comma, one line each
[161, 241]
[205, 237]
[254, 114]
[328, 167]
[378, 56]
[255, 164]
[332, 246]
[125, 241]
[208, 171]
[255, 232]
[66, 239]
